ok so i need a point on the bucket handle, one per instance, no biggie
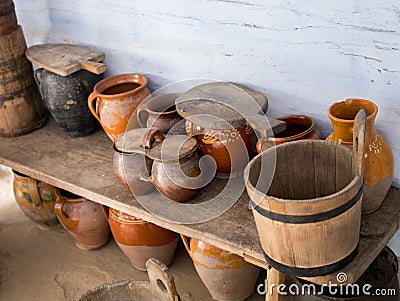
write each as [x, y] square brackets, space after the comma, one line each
[161, 279]
[359, 143]
[92, 99]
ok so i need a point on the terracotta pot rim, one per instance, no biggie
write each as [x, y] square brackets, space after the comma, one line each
[294, 137]
[151, 99]
[347, 101]
[78, 198]
[118, 79]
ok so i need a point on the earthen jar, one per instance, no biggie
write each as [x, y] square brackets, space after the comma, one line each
[381, 274]
[36, 199]
[66, 99]
[83, 219]
[175, 172]
[227, 276]
[379, 163]
[159, 112]
[298, 127]
[131, 165]
[114, 101]
[140, 240]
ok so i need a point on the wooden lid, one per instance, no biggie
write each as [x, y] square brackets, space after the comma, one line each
[64, 59]
[172, 148]
[131, 141]
[217, 105]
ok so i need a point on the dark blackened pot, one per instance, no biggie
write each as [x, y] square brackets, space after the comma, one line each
[66, 99]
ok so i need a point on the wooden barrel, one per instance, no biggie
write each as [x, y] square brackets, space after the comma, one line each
[308, 218]
[8, 18]
[21, 107]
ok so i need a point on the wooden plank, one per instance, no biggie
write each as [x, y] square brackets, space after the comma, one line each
[84, 167]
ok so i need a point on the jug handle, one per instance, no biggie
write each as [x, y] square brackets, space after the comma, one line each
[185, 241]
[91, 100]
[359, 144]
[37, 74]
[141, 109]
[58, 207]
[33, 189]
[105, 210]
[151, 137]
[161, 279]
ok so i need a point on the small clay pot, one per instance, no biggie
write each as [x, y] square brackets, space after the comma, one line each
[36, 199]
[175, 172]
[159, 113]
[83, 219]
[131, 167]
[115, 99]
[66, 99]
[298, 127]
[227, 276]
[140, 240]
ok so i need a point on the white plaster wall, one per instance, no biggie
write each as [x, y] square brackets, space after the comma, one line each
[303, 54]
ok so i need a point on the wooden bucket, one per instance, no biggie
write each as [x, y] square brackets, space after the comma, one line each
[8, 18]
[308, 219]
[21, 107]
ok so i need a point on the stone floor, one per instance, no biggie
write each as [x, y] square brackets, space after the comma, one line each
[47, 266]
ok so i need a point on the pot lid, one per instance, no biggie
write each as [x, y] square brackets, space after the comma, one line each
[217, 105]
[131, 141]
[172, 148]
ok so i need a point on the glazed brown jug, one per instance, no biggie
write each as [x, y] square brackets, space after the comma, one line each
[36, 199]
[130, 164]
[379, 163]
[298, 127]
[227, 276]
[140, 240]
[115, 99]
[83, 219]
[159, 112]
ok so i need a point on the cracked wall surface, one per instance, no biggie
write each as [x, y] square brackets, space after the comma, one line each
[304, 55]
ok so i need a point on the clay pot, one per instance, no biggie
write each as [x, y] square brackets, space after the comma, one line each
[381, 274]
[130, 165]
[114, 100]
[83, 219]
[227, 276]
[159, 112]
[298, 127]
[8, 18]
[36, 199]
[379, 164]
[175, 171]
[140, 240]
[231, 149]
[66, 99]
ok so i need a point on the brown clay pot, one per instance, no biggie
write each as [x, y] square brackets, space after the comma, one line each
[115, 99]
[298, 127]
[131, 165]
[8, 18]
[381, 274]
[227, 276]
[36, 199]
[140, 240]
[83, 219]
[175, 172]
[231, 149]
[379, 163]
[159, 112]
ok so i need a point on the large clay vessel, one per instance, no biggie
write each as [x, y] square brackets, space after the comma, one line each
[8, 18]
[379, 164]
[66, 99]
[114, 100]
[83, 219]
[298, 127]
[228, 277]
[36, 199]
[140, 240]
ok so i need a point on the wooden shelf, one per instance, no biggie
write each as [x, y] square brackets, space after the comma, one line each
[84, 167]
